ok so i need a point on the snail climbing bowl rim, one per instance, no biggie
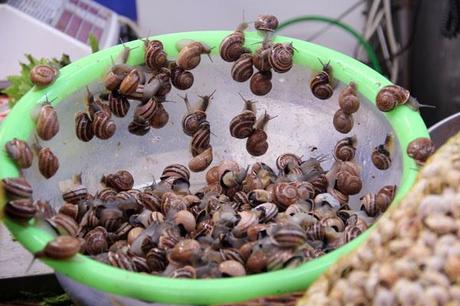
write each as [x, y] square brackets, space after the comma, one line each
[406, 123]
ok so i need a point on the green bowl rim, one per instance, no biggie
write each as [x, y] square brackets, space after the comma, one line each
[406, 123]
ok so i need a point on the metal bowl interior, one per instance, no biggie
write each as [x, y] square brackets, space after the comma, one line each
[303, 126]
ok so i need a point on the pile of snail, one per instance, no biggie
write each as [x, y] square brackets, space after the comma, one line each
[245, 220]
[413, 255]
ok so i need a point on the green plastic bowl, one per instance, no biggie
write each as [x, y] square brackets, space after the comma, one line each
[406, 123]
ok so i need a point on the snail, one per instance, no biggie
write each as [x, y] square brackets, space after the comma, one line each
[43, 75]
[96, 241]
[201, 161]
[164, 78]
[103, 127]
[122, 180]
[231, 268]
[145, 111]
[345, 149]
[131, 81]
[195, 116]
[119, 104]
[94, 105]
[242, 125]
[256, 143]
[284, 194]
[63, 225]
[160, 117]
[242, 68]
[48, 163]
[343, 122]
[261, 83]
[72, 190]
[47, 121]
[116, 75]
[320, 84]
[175, 171]
[289, 236]
[21, 209]
[17, 187]
[392, 96]
[155, 57]
[19, 151]
[420, 149]
[231, 47]
[369, 204]
[285, 160]
[83, 127]
[201, 138]
[190, 52]
[61, 247]
[139, 126]
[348, 99]
[181, 79]
[347, 183]
[266, 23]
[280, 58]
[381, 155]
[261, 58]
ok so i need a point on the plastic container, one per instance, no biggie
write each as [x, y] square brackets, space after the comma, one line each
[315, 114]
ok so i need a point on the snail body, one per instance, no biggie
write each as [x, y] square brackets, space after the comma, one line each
[343, 122]
[47, 122]
[189, 56]
[256, 143]
[261, 83]
[19, 151]
[231, 47]
[348, 99]
[43, 75]
[320, 84]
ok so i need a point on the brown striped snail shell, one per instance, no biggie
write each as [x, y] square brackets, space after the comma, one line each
[63, 225]
[289, 236]
[420, 149]
[160, 117]
[186, 220]
[343, 122]
[286, 159]
[389, 191]
[369, 205]
[348, 99]
[21, 209]
[17, 187]
[111, 218]
[281, 57]
[242, 68]
[305, 190]
[261, 60]
[268, 211]
[345, 149]
[261, 83]
[185, 252]
[155, 57]
[192, 121]
[139, 126]
[19, 151]
[150, 200]
[48, 163]
[201, 161]
[320, 85]
[83, 127]
[284, 194]
[140, 264]
[259, 196]
[189, 55]
[231, 47]
[341, 197]
[70, 210]
[257, 144]
[348, 184]
[156, 259]
[181, 79]
[175, 171]
[119, 105]
[75, 194]
[391, 96]
[61, 247]
[121, 180]
[320, 183]
[47, 122]
[106, 194]
[242, 125]
[96, 241]
[200, 140]
[146, 110]
[231, 268]
[115, 76]
[266, 23]
[121, 261]
[381, 158]
[103, 126]
[43, 75]
[232, 254]
[165, 83]
[131, 81]
[184, 272]
[247, 219]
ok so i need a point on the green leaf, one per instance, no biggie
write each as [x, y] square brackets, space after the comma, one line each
[93, 42]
